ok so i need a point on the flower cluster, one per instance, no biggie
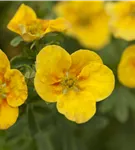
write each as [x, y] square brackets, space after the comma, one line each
[74, 82]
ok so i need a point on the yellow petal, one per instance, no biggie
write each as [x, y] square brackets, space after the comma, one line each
[97, 34]
[121, 19]
[71, 9]
[66, 10]
[4, 62]
[126, 73]
[8, 115]
[29, 37]
[48, 92]
[97, 79]
[17, 88]
[59, 24]
[52, 63]
[89, 22]
[24, 15]
[124, 28]
[129, 52]
[77, 106]
[81, 58]
[117, 9]
[126, 68]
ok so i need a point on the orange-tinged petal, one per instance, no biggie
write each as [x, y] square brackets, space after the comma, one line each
[4, 62]
[48, 92]
[52, 63]
[24, 15]
[98, 79]
[81, 58]
[8, 115]
[17, 88]
[77, 106]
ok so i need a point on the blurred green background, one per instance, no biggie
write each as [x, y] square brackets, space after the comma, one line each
[41, 127]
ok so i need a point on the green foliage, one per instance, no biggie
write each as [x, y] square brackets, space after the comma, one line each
[119, 103]
[20, 61]
[42, 127]
[16, 41]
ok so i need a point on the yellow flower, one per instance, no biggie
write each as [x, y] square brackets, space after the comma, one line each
[126, 68]
[13, 92]
[26, 24]
[122, 19]
[89, 22]
[76, 82]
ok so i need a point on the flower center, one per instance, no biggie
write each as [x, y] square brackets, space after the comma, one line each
[69, 83]
[83, 21]
[35, 28]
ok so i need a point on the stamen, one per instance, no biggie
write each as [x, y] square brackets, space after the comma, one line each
[65, 91]
[35, 28]
[3, 95]
[3, 85]
[69, 83]
[3, 92]
[76, 89]
[67, 74]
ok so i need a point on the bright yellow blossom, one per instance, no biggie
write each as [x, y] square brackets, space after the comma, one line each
[26, 24]
[122, 19]
[13, 92]
[76, 82]
[126, 68]
[89, 22]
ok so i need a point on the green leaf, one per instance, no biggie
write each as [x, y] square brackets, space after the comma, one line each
[53, 38]
[2, 139]
[20, 61]
[16, 41]
[111, 54]
[29, 72]
[43, 141]
[33, 127]
[122, 138]
[119, 103]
